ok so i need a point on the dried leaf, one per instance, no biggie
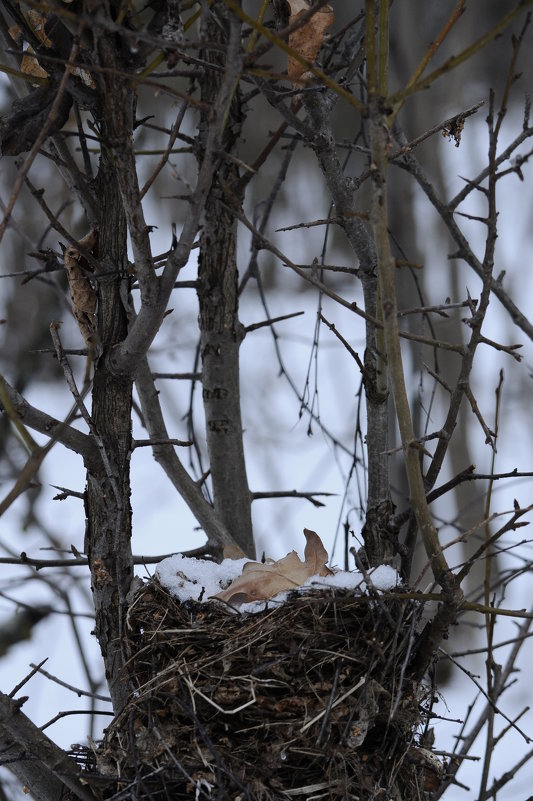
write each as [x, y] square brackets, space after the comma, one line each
[261, 581]
[30, 66]
[16, 33]
[82, 294]
[307, 40]
[37, 22]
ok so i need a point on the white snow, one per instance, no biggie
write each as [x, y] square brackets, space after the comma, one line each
[383, 578]
[191, 579]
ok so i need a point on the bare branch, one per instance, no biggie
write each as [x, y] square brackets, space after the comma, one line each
[79, 692]
[50, 770]
[218, 537]
[309, 496]
[45, 130]
[39, 421]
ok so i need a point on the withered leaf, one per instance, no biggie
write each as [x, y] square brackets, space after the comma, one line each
[307, 40]
[82, 294]
[261, 581]
[37, 22]
[30, 66]
[20, 128]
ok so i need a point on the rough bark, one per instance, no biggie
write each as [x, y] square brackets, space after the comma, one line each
[108, 489]
[44, 769]
[379, 545]
[221, 331]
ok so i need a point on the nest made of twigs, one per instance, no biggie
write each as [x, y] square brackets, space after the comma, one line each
[307, 700]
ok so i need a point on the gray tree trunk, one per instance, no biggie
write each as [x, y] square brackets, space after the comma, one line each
[221, 331]
[108, 489]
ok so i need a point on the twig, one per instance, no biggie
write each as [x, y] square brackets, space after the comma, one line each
[454, 61]
[67, 493]
[164, 158]
[489, 435]
[25, 680]
[30, 158]
[491, 702]
[40, 564]
[144, 443]
[340, 700]
[79, 692]
[346, 344]
[309, 496]
[180, 376]
[78, 398]
[68, 712]
[271, 321]
[433, 47]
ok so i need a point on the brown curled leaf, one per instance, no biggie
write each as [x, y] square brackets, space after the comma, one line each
[308, 39]
[82, 294]
[30, 66]
[261, 581]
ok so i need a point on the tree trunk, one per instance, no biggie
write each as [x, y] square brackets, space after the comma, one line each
[221, 331]
[108, 489]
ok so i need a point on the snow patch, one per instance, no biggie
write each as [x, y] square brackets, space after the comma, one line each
[189, 579]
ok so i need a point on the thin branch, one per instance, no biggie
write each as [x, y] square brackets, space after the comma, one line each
[30, 158]
[271, 321]
[275, 39]
[25, 680]
[69, 712]
[67, 493]
[164, 158]
[78, 398]
[492, 704]
[38, 194]
[179, 376]
[165, 454]
[146, 324]
[489, 435]
[79, 692]
[446, 212]
[309, 496]
[435, 44]
[346, 344]
[147, 443]
[81, 561]
[453, 61]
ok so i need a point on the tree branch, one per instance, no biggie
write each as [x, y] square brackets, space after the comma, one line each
[37, 762]
[218, 536]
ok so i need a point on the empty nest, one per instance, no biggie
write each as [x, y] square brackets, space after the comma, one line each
[306, 700]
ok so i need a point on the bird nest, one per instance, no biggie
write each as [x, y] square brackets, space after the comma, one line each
[310, 699]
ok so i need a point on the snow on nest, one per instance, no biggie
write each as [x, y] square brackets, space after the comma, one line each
[189, 579]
